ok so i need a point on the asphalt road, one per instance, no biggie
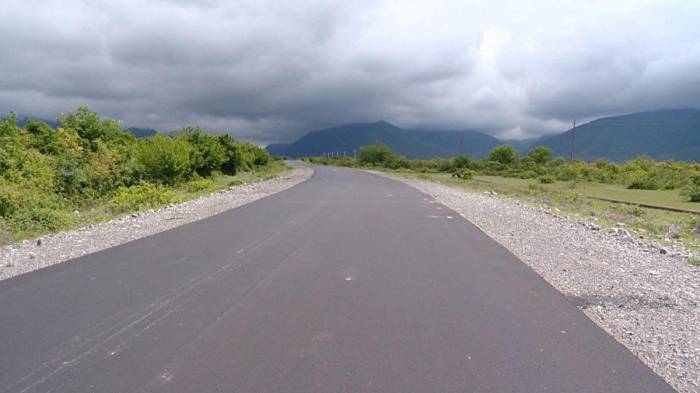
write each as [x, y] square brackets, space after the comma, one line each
[348, 282]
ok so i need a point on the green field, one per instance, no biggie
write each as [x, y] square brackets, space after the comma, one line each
[661, 198]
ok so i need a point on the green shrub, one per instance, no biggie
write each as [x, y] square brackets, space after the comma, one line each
[9, 199]
[464, 174]
[546, 179]
[504, 154]
[42, 219]
[164, 159]
[643, 184]
[141, 197]
[89, 126]
[375, 154]
[692, 189]
[206, 152]
[461, 162]
[540, 155]
[198, 185]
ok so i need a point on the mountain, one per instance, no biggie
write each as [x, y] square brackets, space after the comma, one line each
[663, 135]
[23, 120]
[347, 139]
[141, 132]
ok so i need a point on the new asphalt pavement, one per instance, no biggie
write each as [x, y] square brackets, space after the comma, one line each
[349, 282]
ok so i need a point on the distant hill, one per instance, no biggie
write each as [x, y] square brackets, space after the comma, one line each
[141, 132]
[23, 120]
[136, 131]
[410, 143]
[663, 135]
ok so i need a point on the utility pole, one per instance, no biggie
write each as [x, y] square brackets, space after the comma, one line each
[573, 141]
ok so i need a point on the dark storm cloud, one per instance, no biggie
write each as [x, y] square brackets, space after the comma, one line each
[270, 70]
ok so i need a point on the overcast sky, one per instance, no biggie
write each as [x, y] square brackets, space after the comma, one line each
[269, 71]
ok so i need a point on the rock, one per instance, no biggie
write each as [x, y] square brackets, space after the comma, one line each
[674, 231]
[38, 242]
[31, 255]
[663, 250]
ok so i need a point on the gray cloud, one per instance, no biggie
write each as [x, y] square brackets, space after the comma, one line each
[271, 70]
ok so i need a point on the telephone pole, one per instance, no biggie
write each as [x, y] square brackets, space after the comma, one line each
[573, 141]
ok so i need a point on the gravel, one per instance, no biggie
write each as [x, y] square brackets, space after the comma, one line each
[31, 255]
[644, 295]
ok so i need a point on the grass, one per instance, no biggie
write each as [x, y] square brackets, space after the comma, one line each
[694, 261]
[102, 210]
[577, 200]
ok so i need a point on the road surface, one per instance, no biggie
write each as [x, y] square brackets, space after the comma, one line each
[348, 282]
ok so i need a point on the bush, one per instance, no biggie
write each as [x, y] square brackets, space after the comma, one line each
[375, 154]
[540, 155]
[232, 152]
[198, 185]
[504, 154]
[461, 162]
[464, 174]
[141, 197]
[90, 126]
[692, 189]
[206, 154]
[643, 184]
[164, 159]
[546, 179]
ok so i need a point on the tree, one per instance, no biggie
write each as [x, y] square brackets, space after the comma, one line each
[90, 126]
[461, 162]
[504, 154]
[375, 154]
[539, 155]
[232, 151]
[207, 154]
[164, 159]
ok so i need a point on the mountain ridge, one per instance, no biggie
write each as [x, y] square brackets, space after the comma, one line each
[349, 138]
[667, 134]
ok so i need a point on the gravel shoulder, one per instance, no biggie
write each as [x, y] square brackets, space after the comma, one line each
[35, 254]
[645, 299]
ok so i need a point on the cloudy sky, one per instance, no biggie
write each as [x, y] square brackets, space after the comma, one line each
[269, 71]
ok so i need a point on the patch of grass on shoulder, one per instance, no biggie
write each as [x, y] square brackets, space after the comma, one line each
[141, 197]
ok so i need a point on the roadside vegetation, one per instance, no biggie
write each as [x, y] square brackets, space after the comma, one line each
[89, 169]
[652, 199]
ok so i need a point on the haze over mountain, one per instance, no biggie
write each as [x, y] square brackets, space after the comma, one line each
[664, 134]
